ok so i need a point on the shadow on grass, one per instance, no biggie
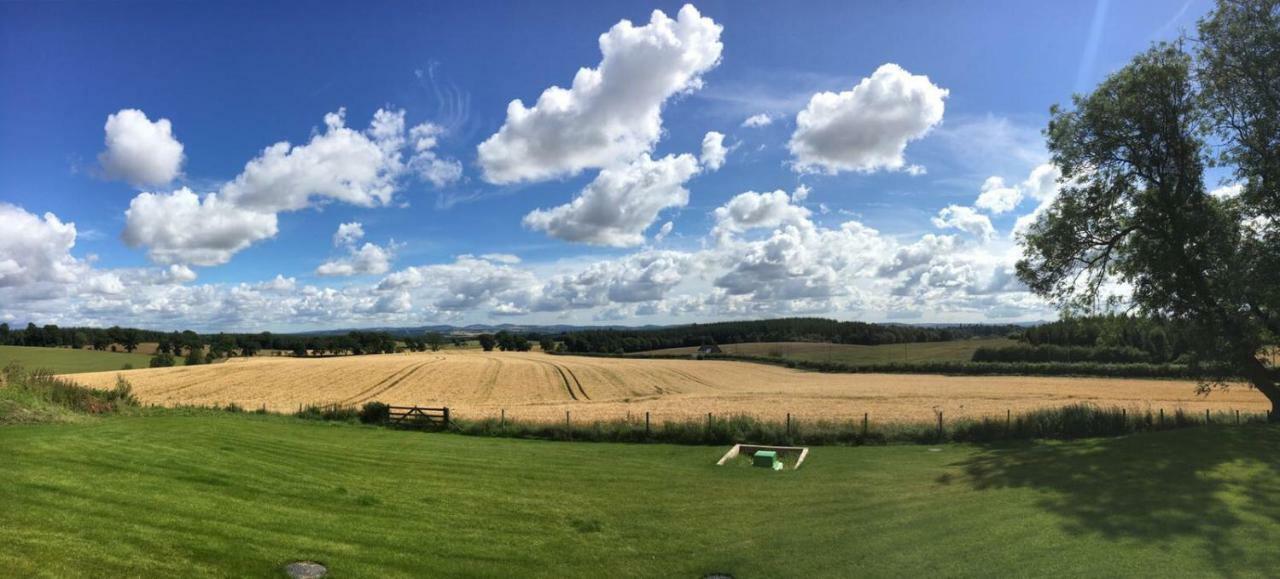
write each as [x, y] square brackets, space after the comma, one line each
[1218, 486]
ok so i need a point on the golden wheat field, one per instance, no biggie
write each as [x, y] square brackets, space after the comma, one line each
[539, 386]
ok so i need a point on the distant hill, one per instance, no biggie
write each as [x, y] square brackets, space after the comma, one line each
[558, 329]
[472, 329]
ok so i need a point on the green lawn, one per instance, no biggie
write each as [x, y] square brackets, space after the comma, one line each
[240, 495]
[68, 361]
[953, 351]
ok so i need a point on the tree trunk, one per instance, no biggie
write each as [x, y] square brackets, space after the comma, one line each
[1264, 380]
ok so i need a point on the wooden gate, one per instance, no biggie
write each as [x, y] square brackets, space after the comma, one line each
[419, 417]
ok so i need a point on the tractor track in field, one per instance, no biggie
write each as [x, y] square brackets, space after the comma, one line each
[567, 387]
[385, 384]
[581, 390]
[564, 377]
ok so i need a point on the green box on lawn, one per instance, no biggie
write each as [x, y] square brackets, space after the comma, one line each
[765, 458]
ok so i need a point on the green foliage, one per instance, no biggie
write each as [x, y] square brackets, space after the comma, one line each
[512, 342]
[487, 342]
[1162, 340]
[1133, 205]
[1237, 64]
[162, 360]
[375, 413]
[329, 413]
[776, 330]
[195, 356]
[1070, 354]
[37, 396]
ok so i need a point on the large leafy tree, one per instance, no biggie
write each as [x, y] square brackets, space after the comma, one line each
[1134, 214]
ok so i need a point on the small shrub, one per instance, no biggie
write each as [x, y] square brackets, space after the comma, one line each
[162, 360]
[375, 413]
[123, 392]
[40, 387]
[331, 413]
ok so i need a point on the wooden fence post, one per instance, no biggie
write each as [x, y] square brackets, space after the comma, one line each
[646, 424]
[865, 417]
[1237, 418]
[1162, 417]
[788, 424]
[939, 426]
[1008, 420]
[446, 418]
[708, 424]
[568, 427]
[502, 419]
[1206, 416]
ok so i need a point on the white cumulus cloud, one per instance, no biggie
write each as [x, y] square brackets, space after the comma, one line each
[622, 202]
[362, 168]
[35, 249]
[348, 233]
[751, 210]
[426, 163]
[339, 164]
[611, 113]
[140, 151]
[996, 197]
[367, 259]
[867, 128]
[183, 228]
[757, 121]
[965, 219]
[713, 151]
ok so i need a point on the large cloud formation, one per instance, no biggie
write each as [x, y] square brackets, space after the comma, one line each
[340, 164]
[34, 249]
[140, 151]
[611, 113]
[764, 254]
[183, 228]
[618, 206]
[769, 257]
[753, 210]
[867, 129]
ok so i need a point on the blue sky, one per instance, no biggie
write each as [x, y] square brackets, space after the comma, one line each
[974, 81]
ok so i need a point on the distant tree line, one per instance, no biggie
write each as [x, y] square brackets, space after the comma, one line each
[199, 348]
[777, 330]
[52, 336]
[1106, 339]
[505, 341]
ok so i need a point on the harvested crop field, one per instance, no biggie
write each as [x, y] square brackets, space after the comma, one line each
[539, 386]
